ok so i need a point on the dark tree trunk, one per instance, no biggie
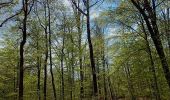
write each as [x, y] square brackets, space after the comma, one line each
[72, 68]
[168, 27]
[45, 64]
[104, 76]
[24, 35]
[38, 67]
[95, 89]
[62, 73]
[46, 55]
[149, 16]
[50, 50]
[81, 67]
[62, 63]
[98, 77]
[38, 71]
[38, 76]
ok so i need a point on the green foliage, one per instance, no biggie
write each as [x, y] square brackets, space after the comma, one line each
[119, 46]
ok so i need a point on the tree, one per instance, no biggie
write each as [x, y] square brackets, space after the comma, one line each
[148, 12]
[24, 31]
[50, 50]
[96, 49]
[87, 5]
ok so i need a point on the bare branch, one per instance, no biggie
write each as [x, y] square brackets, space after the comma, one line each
[40, 22]
[160, 3]
[96, 3]
[10, 18]
[75, 4]
[31, 7]
[6, 3]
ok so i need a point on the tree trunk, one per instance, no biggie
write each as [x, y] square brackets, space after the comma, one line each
[38, 71]
[46, 55]
[24, 35]
[62, 63]
[168, 27]
[104, 77]
[72, 69]
[38, 76]
[50, 50]
[95, 89]
[45, 65]
[62, 72]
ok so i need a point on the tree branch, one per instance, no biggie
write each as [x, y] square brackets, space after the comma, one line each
[10, 18]
[75, 4]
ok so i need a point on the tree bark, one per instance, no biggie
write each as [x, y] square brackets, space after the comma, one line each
[24, 37]
[50, 50]
[62, 61]
[104, 76]
[62, 71]
[95, 88]
[46, 55]
[38, 72]
[45, 65]
[38, 76]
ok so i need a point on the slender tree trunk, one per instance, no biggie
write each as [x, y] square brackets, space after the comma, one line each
[24, 35]
[72, 69]
[38, 76]
[98, 78]
[38, 71]
[45, 65]
[95, 89]
[62, 73]
[50, 50]
[62, 64]
[104, 76]
[38, 67]
[81, 76]
[46, 55]
[168, 27]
